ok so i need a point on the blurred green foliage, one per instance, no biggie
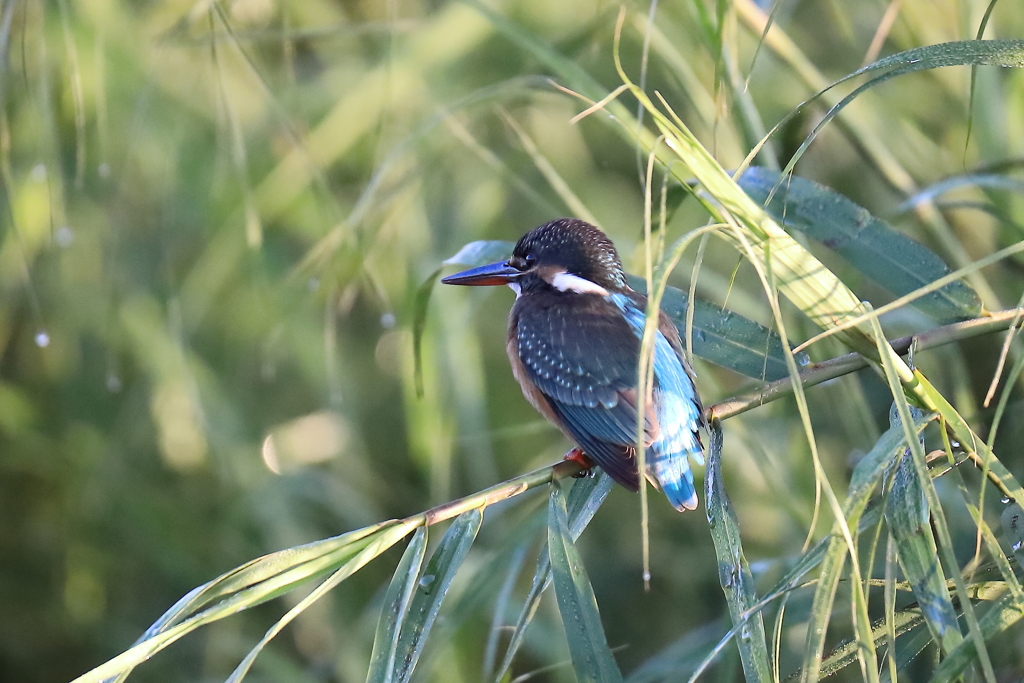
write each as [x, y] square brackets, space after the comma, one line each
[216, 216]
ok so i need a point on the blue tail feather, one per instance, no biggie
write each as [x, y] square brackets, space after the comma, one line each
[672, 474]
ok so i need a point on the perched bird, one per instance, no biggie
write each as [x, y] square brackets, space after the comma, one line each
[574, 342]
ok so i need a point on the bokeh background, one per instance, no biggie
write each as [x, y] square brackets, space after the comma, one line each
[216, 216]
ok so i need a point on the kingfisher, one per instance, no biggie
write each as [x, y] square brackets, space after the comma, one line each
[574, 339]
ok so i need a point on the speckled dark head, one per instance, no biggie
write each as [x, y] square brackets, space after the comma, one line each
[575, 246]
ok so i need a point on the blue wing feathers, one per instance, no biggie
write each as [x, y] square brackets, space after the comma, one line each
[586, 367]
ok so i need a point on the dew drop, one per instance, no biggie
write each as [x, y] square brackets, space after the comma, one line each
[388, 320]
[64, 236]
[426, 580]
[113, 383]
[42, 339]
[647, 577]
[1004, 500]
[1016, 546]
[803, 359]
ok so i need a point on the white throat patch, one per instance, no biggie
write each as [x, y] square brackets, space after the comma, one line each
[516, 288]
[567, 282]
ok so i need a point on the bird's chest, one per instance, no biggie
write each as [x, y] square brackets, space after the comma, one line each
[523, 342]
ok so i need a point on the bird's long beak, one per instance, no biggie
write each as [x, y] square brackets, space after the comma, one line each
[492, 274]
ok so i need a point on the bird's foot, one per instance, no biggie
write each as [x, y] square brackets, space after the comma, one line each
[580, 458]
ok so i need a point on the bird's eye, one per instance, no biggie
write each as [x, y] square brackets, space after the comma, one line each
[522, 263]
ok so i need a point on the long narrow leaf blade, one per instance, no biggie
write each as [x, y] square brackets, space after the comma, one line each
[585, 498]
[432, 588]
[866, 476]
[592, 659]
[907, 517]
[395, 609]
[869, 244]
[378, 545]
[725, 338]
[733, 570]
[1003, 615]
[281, 573]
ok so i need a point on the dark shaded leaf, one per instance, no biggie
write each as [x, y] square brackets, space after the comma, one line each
[1003, 615]
[592, 659]
[919, 555]
[725, 338]
[585, 498]
[733, 570]
[1013, 529]
[872, 246]
[432, 587]
[395, 609]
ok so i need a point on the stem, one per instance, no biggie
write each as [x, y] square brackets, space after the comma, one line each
[851, 362]
[499, 492]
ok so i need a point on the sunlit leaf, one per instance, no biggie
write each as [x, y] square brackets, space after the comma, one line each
[343, 561]
[846, 653]
[1008, 53]
[378, 545]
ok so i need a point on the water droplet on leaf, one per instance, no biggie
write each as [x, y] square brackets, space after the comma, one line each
[64, 236]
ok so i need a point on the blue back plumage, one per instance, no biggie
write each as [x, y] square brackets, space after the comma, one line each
[574, 339]
[577, 356]
[678, 413]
